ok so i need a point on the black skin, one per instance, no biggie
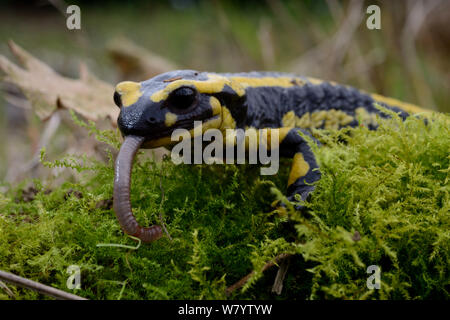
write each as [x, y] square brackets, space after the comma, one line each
[259, 107]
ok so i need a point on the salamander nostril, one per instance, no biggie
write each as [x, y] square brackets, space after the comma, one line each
[152, 120]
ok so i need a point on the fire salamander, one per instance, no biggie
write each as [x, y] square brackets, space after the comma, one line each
[151, 110]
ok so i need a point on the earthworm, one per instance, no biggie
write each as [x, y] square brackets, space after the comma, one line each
[122, 205]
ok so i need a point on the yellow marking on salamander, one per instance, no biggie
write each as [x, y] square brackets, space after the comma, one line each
[281, 132]
[299, 168]
[328, 119]
[289, 119]
[171, 118]
[315, 81]
[215, 106]
[129, 92]
[214, 84]
[212, 123]
[364, 117]
[228, 121]
[255, 135]
[285, 82]
[408, 107]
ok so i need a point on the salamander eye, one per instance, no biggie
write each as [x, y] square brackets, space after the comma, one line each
[182, 99]
[117, 99]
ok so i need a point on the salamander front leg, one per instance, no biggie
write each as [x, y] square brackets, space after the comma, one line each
[304, 171]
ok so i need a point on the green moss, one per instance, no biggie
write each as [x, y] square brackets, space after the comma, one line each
[390, 185]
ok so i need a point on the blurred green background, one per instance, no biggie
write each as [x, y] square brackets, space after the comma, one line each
[407, 59]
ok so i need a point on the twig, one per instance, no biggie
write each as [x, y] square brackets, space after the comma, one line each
[8, 291]
[50, 129]
[245, 279]
[281, 274]
[17, 101]
[59, 5]
[333, 50]
[128, 262]
[118, 245]
[357, 63]
[418, 12]
[39, 287]
[122, 290]
[265, 39]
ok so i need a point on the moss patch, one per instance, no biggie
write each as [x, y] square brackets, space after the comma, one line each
[383, 200]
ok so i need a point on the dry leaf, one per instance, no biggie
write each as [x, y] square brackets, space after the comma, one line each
[47, 90]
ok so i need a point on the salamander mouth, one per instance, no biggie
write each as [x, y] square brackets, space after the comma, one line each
[184, 124]
[151, 140]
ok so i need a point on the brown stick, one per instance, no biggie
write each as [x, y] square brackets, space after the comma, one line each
[39, 287]
[245, 279]
[281, 274]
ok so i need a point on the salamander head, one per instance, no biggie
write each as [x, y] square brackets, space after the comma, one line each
[151, 110]
[154, 108]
